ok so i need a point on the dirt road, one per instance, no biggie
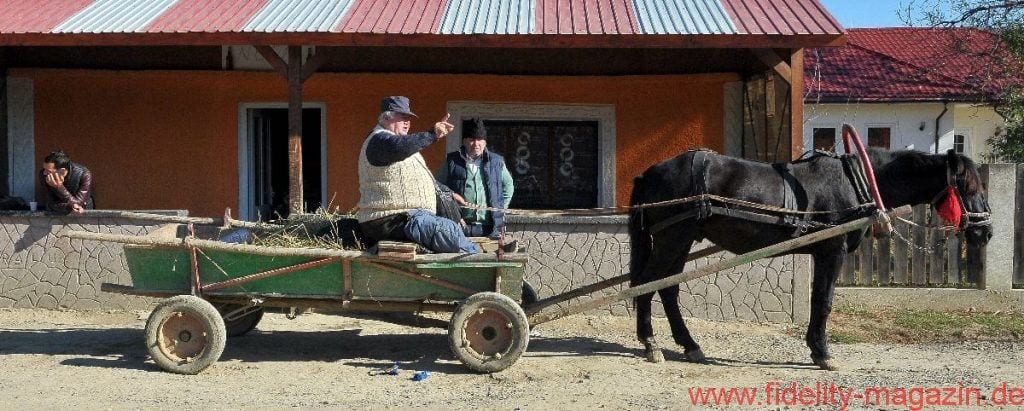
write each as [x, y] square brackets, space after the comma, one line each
[97, 360]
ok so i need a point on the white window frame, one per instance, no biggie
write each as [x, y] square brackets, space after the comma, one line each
[246, 176]
[604, 115]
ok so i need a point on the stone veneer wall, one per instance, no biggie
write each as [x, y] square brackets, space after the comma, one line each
[40, 269]
[569, 252]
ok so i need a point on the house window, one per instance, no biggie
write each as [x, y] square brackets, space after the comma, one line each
[958, 143]
[825, 139]
[554, 164]
[879, 137]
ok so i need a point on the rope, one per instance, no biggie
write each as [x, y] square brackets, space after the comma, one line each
[606, 211]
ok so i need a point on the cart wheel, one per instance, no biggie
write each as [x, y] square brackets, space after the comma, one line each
[185, 334]
[240, 325]
[488, 332]
[529, 294]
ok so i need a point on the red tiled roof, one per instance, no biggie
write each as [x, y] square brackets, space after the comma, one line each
[905, 64]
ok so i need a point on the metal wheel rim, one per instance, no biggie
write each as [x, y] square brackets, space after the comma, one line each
[488, 333]
[183, 337]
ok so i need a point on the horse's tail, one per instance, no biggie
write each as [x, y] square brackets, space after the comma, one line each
[639, 235]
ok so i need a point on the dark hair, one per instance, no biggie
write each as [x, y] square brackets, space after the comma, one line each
[58, 158]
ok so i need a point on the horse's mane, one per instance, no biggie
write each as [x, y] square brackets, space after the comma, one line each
[915, 159]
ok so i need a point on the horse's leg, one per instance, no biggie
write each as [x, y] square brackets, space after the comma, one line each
[663, 260]
[644, 329]
[681, 335]
[826, 269]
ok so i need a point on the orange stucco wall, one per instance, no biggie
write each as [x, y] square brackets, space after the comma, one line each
[169, 140]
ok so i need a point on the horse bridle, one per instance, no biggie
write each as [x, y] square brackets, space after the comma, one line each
[970, 219]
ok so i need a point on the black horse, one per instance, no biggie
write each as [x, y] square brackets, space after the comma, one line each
[661, 235]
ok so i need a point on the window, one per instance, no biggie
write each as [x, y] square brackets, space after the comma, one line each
[958, 143]
[825, 139]
[879, 137]
[554, 164]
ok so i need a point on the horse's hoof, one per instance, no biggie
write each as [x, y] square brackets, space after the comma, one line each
[827, 364]
[655, 356]
[696, 356]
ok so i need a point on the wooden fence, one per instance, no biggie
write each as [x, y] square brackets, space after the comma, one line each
[920, 256]
[927, 257]
[1018, 234]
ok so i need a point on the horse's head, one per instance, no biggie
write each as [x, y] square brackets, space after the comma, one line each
[963, 176]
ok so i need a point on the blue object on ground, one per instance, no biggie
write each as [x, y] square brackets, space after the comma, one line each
[389, 370]
[420, 376]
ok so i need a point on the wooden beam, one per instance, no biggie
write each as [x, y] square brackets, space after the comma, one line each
[295, 201]
[274, 59]
[312, 64]
[427, 40]
[768, 57]
[796, 95]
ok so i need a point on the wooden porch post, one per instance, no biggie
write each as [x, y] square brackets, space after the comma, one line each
[295, 201]
[295, 73]
[796, 84]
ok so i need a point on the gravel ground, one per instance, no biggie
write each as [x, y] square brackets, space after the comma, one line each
[96, 360]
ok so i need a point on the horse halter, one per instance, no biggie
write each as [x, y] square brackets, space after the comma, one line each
[968, 219]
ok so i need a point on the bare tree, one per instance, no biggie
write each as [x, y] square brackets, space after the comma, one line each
[1003, 72]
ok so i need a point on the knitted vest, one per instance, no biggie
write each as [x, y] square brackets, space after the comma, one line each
[394, 188]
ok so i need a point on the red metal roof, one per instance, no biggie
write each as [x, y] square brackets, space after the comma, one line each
[490, 23]
[20, 16]
[905, 64]
[786, 17]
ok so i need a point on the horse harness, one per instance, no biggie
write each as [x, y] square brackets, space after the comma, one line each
[794, 212]
[954, 183]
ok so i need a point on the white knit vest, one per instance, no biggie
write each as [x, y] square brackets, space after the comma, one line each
[395, 188]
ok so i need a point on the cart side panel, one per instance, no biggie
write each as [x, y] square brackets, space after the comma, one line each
[158, 268]
[215, 266]
[369, 282]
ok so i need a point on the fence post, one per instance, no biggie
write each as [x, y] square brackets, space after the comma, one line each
[1002, 188]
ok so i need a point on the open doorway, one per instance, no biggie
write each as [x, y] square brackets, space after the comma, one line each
[264, 158]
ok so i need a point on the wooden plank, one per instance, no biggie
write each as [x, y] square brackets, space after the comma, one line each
[393, 250]
[796, 95]
[274, 60]
[901, 254]
[846, 271]
[1018, 232]
[775, 249]
[937, 260]
[952, 254]
[346, 275]
[771, 59]
[919, 275]
[295, 201]
[867, 263]
[884, 256]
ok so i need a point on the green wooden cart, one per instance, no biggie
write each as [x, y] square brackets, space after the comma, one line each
[214, 290]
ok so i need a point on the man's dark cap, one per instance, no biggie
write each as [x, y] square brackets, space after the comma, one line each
[397, 104]
[476, 130]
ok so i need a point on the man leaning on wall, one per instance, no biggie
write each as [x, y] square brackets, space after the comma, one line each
[68, 184]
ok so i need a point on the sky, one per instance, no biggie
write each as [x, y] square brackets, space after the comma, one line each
[873, 13]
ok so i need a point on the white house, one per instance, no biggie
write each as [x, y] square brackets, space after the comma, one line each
[919, 88]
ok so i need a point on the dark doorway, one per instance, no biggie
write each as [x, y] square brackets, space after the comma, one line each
[269, 156]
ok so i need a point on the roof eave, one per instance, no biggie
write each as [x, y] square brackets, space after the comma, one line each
[427, 40]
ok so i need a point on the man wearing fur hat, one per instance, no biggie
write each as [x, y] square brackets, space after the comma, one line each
[397, 192]
[479, 177]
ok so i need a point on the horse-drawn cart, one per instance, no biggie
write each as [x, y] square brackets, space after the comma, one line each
[215, 289]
